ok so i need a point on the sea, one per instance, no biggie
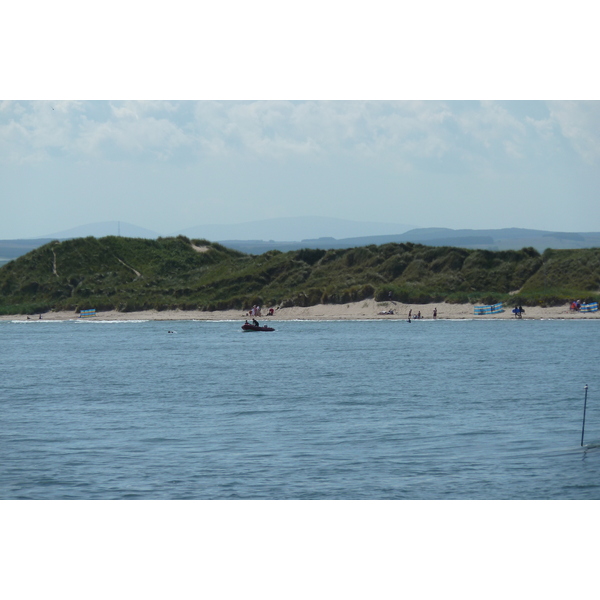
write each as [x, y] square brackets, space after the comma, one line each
[328, 410]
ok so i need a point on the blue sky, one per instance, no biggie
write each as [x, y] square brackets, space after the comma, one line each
[395, 118]
[168, 165]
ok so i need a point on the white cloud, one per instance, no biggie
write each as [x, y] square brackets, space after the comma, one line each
[126, 111]
[31, 132]
[130, 136]
[40, 130]
[403, 133]
[545, 128]
[579, 123]
[491, 124]
[322, 128]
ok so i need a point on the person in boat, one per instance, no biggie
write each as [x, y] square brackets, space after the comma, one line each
[255, 323]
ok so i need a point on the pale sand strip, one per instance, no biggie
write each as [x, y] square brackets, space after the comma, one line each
[366, 309]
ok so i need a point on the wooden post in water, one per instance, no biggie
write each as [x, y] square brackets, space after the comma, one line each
[584, 406]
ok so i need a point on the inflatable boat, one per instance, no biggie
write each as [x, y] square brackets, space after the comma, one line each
[251, 327]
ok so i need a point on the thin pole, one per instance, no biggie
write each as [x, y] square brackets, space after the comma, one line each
[584, 406]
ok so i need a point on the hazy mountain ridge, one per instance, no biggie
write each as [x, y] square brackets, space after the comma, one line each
[485, 239]
[481, 239]
[104, 228]
[293, 229]
[282, 229]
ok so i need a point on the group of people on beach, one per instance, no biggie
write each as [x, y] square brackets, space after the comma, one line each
[255, 312]
[575, 305]
[419, 316]
[518, 312]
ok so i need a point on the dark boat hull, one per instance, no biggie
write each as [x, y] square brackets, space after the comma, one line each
[249, 327]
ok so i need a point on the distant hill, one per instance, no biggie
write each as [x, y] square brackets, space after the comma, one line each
[484, 239]
[103, 229]
[503, 239]
[284, 229]
[291, 229]
[129, 274]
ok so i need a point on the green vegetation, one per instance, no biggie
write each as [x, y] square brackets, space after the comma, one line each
[137, 274]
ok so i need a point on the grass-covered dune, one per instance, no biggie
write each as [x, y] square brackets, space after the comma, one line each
[137, 274]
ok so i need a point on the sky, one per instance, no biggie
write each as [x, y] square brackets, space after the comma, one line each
[168, 165]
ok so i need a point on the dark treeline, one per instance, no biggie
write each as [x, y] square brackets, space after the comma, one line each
[126, 274]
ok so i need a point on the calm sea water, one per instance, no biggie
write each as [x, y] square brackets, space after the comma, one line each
[323, 410]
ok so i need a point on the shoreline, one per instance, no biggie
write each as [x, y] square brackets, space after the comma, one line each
[354, 311]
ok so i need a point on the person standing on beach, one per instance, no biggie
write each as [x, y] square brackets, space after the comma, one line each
[435, 313]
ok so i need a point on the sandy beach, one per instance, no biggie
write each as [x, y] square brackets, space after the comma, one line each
[365, 309]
